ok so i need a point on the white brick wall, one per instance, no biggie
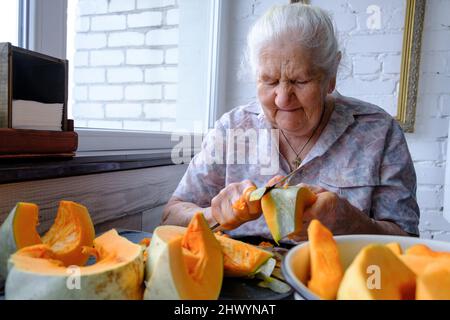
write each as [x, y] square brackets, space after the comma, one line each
[370, 71]
[126, 39]
[126, 64]
[121, 75]
[145, 19]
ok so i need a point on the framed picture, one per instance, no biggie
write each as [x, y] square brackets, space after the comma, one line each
[381, 43]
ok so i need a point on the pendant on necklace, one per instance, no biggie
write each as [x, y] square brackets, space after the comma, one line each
[297, 162]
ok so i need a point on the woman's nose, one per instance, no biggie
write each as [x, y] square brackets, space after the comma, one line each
[283, 95]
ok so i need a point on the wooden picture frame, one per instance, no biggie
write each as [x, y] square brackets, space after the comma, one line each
[410, 62]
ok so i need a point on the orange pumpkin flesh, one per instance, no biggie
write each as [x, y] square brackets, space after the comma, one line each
[434, 282]
[184, 263]
[326, 267]
[25, 223]
[423, 250]
[246, 208]
[241, 259]
[117, 274]
[395, 247]
[71, 230]
[396, 281]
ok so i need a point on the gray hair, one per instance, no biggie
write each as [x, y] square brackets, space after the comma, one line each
[313, 30]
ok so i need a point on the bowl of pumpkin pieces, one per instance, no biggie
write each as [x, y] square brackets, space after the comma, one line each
[367, 267]
[70, 261]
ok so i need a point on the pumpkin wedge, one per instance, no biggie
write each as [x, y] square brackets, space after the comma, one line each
[18, 231]
[377, 273]
[395, 247]
[326, 267]
[36, 273]
[184, 263]
[241, 259]
[283, 210]
[425, 251]
[71, 230]
[434, 282]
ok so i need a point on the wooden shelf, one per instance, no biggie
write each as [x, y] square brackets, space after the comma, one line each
[15, 143]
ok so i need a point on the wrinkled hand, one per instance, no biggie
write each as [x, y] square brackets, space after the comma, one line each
[329, 209]
[231, 209]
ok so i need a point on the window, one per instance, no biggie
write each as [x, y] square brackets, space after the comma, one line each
[144, 65]
[9, 21]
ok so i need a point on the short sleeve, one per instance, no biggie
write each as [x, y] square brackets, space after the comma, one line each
[205, 175]
[395, 197]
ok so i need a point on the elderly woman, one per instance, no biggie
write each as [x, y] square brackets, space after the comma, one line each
[352, 154]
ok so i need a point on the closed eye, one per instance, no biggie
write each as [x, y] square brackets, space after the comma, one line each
[300, 82]
[271, 82]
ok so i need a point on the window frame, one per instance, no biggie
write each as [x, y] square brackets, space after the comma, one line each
[45, 30]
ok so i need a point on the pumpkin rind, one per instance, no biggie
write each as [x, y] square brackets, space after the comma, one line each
[283, 210]
[17, 231]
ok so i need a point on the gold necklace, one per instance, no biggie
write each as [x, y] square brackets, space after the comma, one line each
[298, 161]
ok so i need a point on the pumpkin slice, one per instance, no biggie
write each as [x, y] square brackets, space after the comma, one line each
[377, 274]
[425, 251]
[395, 247]
[71, 230]
[434, 282]
[246, 207]
[37, 273]
[241, 259]
[18, 231]
[184, 263]
[283, 210]
[326, 267]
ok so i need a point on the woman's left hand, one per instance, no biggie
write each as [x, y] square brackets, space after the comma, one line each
[336, 213]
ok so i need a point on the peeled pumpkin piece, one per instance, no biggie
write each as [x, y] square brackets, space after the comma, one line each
[434, 282]
[36, 273]
[244, 206]
[71, 230]
[425, 251]
[377, 274]
[395, 247]
[326, 267]
[283, 210]
[419, 263]
[241, 259]
[184, 263]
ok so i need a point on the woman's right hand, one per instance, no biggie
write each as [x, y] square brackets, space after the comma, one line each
[231, 208]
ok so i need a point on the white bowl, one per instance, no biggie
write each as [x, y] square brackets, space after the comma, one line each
[349, 247]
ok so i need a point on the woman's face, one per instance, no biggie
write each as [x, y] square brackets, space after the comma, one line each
[291, 92]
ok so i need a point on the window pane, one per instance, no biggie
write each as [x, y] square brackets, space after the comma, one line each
[9, 21]
[139, 65]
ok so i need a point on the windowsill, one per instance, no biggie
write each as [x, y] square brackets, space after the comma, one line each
[12, 171]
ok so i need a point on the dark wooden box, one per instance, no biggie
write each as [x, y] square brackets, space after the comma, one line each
[28, 75]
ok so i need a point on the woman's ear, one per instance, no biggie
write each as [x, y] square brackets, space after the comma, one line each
[332, 81]
[331, 85]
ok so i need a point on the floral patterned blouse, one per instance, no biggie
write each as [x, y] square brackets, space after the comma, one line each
[361, 155]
